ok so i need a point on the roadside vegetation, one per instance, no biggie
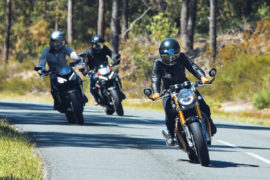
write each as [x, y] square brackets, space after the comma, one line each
[18, 159]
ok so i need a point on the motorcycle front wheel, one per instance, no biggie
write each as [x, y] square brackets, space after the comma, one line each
[117, 102]
[77, 108]
[200, 143]
[108, 110]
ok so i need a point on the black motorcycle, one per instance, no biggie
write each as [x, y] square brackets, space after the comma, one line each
[70, 94]
[192, 126]
[109, 90]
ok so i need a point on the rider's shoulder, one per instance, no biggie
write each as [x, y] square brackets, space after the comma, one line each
[47, 50]
[89, 50]
[158, 60]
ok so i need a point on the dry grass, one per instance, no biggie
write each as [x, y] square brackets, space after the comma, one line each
[18, 159]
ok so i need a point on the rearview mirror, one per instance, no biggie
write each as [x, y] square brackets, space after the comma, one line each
[212, 72]
[147, 92]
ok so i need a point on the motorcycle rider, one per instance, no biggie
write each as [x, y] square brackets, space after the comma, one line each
[170, 68]
[55, 56]
[95, 56]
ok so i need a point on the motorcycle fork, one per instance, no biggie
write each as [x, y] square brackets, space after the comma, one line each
[199, 113]
[182, 122]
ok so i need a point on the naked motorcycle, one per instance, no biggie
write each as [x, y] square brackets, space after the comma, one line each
[109, 90]
[192, 126]
[70, 94]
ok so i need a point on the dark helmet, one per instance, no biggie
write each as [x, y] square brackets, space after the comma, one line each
[95, 41]
[169, 51]
[57, 40]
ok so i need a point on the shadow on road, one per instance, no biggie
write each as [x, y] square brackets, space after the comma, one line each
[244, 127]
[120, 141]
[221, 164]
[91, 119]
[24, 106]
[225, 164]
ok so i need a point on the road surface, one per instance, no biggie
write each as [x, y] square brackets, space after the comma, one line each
[132, 147]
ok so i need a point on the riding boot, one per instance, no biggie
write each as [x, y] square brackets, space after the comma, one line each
[57, 100]
[85, 99]
[96, 96]
[213, 127]
[170, 141]
[123, 96]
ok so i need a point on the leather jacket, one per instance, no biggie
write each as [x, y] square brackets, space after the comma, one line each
[93, 58]
[174, 74]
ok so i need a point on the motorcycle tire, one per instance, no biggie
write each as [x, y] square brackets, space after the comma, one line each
[77, 108]
[108, 110]
[117, 102]
[200, 143]
[70, 117]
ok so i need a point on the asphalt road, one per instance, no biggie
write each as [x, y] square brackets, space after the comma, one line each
[132, 147]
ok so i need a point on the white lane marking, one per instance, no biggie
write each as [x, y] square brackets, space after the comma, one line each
[248, 153]
[258, 157]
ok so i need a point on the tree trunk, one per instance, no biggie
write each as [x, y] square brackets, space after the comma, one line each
[213, 41]
[56, 24]
[115, 27]
[161, 5]
[184, 20]
[45, 9]
[69, 22]
[56, 15]
[191, 24]
[100, 23]
[7, 36]
[247, 8]
[125, 19]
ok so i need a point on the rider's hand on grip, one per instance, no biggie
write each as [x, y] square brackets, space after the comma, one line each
[156, 95]
[205, 80]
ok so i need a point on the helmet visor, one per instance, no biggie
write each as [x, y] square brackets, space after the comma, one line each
[96, 46]
[169, 59]
[56, 43]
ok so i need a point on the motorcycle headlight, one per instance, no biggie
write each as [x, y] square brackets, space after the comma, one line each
[185, 97]
[61, 80]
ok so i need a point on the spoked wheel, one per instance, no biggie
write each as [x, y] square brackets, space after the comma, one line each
[117, 102]
[200, 143]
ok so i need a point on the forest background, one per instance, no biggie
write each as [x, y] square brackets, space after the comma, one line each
[231, 35]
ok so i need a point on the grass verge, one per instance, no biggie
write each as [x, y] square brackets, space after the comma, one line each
[18, 159]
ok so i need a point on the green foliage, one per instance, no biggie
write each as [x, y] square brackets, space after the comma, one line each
[162, 26]
[262, 99]
[263, 12]
[141, 55]
[240, 77]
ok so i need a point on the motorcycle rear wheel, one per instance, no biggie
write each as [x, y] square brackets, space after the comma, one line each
[200, 143]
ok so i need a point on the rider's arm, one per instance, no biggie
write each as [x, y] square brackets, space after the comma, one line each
[192, 67]
[113, 56]
[72, 54]
[43, 58]
[156, 78]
